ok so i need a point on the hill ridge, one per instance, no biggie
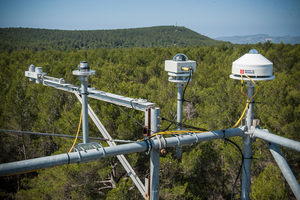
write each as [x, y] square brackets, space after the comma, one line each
[254, 39]
[156, 36]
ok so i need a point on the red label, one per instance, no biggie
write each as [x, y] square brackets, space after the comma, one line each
[242, 71]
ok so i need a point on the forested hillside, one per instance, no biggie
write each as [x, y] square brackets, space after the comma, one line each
[207, 170]
[45, 39]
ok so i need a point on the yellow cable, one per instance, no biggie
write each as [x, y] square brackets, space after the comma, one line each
[256, 88]
[242, 88]
[248, 100]
[77, 133]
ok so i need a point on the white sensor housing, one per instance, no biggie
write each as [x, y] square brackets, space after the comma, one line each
[253, 65]
[179, 61]
[35, 74]
[176, 66]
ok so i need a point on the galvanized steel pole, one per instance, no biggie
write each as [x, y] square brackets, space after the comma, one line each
[285, 142]
[285, 169]
[83, 73]
[179, 104]
[179, 114]
[85, 127]
[248, 146]
[154, 157]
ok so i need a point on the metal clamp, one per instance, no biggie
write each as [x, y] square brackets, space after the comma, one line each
[179, 143]
[161, 141]
[103, 152]
[95, 147]
[197, 139]
[149, 145]
[99, 144]
[101, 147]
[79, 155]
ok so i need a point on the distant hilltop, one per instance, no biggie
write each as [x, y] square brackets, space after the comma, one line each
[253, 39]
[45, 39]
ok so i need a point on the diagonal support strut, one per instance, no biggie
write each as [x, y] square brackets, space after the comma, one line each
[121, 158]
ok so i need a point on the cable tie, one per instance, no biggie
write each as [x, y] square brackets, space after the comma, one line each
[248, 158]
[223, 133]
[253, 102]
[85, 93]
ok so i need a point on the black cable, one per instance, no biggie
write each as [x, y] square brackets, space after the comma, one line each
[66, 136]
[50, 134]
[184, 125]
[237, 177]
[190, 70]
[170, 124]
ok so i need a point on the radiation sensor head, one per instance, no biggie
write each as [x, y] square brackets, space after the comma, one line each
[180, 57]
[254, 65]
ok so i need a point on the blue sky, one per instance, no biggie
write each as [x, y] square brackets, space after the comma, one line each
[213, 18]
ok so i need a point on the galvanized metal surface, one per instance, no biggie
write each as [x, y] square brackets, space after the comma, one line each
[288, 143]
[179, 114]
[285, 169]
[85, 125]
[138, 104]
[179, 104]
[90, 155]
[246, 177]
[154, 157]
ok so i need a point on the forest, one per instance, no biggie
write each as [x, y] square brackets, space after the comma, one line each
[45, 39]
[207, 170]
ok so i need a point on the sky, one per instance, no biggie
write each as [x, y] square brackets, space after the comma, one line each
[212, 18]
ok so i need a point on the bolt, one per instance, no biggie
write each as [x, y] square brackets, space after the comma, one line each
[163, 151]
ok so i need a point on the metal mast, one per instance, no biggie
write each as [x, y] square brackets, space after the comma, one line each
[246, 177]
[154, 157]
[179, 72]
[83, 73]
[259, 68]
